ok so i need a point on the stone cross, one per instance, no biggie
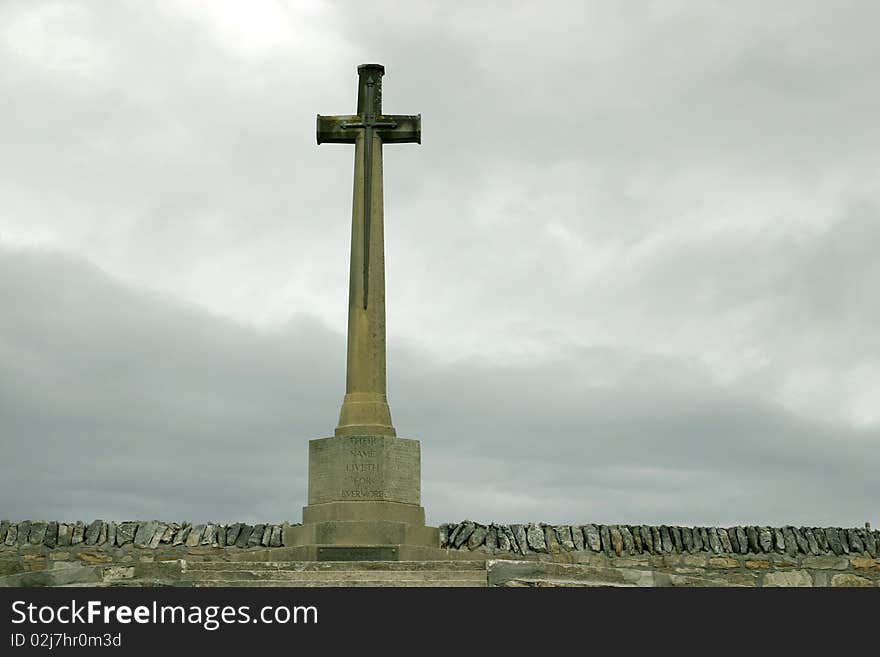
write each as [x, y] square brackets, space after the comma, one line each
[365, 408]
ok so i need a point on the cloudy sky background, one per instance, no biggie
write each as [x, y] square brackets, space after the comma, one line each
[632, 270]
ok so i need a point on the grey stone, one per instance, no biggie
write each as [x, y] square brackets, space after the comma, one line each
[733, 538]
[158, 533]
[111, 534]
[210, 528]
[637, 539]
[24, 530]
[93, 532]
[629, 544]
[656, 540]
[563, 535]
[463, 533]
[778, 540]
[535, 537]
[704, 537]
[605, 533]
[698, 539]
[791, 547]
[616, 539]
[647, 538]
[577, 536]
[687, 538]
[503, 539]
[267, 536]
[168, 534]
[800, 540]
[726, 546]
[195, 536]
[125, 533]
[76, 534]
[244, 536]
[63, 534]
[844, 542]
[102, 537]
[522, 541]
[870, 543]
[592, 538]
[256, 535]
[833, 540]
[38, 533]
[742, 539]
[491, 541]
[666, 539]
[220, 536]
[444, 534]
[766, 539]
[477, 537]
[232, 533]
[821, 539]
[550, 540]
[144, 533]
[677, 540]
[714, 540]
[811, 540]
[855, 541]
[4, 527]
[182, 534]
[754, 544]
[51, 539]
[11, 534]
[275, 540]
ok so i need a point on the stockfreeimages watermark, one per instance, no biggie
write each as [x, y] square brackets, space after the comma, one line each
[210, 617]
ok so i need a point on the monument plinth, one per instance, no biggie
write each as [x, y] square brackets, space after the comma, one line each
[364, 482]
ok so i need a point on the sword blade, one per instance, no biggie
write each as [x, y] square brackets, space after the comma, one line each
[368, 184]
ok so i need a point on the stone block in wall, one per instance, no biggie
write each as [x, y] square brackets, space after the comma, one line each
[788, 578]
[848, 579]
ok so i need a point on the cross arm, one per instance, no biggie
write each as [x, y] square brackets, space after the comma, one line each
[336, 130]
[407, 128]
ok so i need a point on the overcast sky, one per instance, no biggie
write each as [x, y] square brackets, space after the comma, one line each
[632, 270]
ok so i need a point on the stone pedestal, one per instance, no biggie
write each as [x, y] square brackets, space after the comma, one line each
[364, 501]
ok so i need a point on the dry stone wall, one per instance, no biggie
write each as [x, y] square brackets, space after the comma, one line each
[34, 553]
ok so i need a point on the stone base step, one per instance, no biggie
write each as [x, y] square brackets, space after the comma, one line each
[336, 576]
[447, 583]
[337, 566]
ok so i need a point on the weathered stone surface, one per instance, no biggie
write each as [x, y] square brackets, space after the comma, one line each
[156, 538]
[444, 534]
[791, 548]
[111, 534]
[753, 541]
[256, 535]
[637, 539]
[144, 533]
[788, 578]
[844, 540]
[577, 536]
[93, 531]
[848, 579]
[232, 532]
[825, 562]
[723, 537]
[656, 540]
[666, 539]
[243, 536]
[757, 563]
[629, 545]
[51, 539]
[742, 539]
[687, 538]
[698, 539]
[463, 533]
[535, 537]
[11, 534]
[801, 541]
[4, 527]
[168, 534]
[647, 538]
[477, 537]
[866, 564]
[503, 538]
[592, 538]
[24, 530]
[714, 541]
[267, 536]
[616, 539]
[102, 537]
[194, 538]
[76, 534]
[275, 539]
[124, 533]
[210, 528]
[677, 541]
[870, 543]
[833, 540]
[63, 534]
[519, 531]
[821, 539]
[38, 533]
[704, 537]
[607, 547]
[550, 540]
[563, 535]
[812, 543]
[724, 562]
[778, 540]
[855, 541]
[765, 537]
[182, 534]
